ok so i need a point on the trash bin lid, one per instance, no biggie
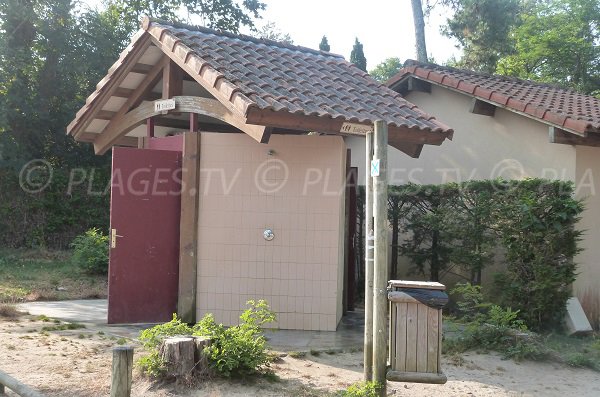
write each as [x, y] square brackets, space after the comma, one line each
[416, 284]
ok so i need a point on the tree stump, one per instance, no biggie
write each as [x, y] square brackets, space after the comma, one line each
[178, 354]
[200, 357]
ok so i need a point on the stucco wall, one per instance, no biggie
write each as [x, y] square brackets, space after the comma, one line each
[296, 192]
[587, 285]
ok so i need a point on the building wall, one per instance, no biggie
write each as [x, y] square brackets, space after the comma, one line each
[587, 284]
[298, 193]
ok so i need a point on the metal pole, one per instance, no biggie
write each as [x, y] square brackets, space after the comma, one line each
[380, 193]
[368, 347]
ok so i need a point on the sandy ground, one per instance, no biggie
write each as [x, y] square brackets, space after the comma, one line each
[77, 363]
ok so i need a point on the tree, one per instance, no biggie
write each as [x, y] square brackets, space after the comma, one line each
[557, 43]
[269, 31]
[357, 56]
[483, 29]
[386, 69]
[419, 21]
[324, 44]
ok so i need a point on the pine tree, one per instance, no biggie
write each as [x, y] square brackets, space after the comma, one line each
[324, 44]
[357, 56]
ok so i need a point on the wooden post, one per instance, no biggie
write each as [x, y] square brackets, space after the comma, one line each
[188, 227]
[380, 222]
[178, 353]
[368, 347]
[150, 127]
[122, 366]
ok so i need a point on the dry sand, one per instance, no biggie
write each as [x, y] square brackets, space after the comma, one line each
[77, 363]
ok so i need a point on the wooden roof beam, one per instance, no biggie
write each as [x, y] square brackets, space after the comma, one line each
[172, 80]
[557, 135]
[483, 108]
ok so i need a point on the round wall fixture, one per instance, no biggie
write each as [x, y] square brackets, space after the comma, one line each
[268, 234]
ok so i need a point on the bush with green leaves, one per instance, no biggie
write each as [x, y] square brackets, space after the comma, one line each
[361, 389]
[90, 251]
[239, 350]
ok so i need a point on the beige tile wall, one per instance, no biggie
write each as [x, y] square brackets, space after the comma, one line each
[298, 193]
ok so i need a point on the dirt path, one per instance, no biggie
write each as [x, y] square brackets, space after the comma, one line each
[77, 363]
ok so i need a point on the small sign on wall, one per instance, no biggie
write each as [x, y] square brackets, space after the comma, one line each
[164, 105]
[353, 128]
[375, 167]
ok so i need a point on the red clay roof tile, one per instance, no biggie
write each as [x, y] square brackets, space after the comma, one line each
[565, 108]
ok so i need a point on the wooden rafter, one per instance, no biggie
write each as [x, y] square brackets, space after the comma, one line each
[483, 108]
[111, 131]
[127, 92]
[172, 80]
[99, 99]
[557, 135]
[183, 104]
[260, 133]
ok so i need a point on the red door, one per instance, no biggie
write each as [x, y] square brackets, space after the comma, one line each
[144, 221]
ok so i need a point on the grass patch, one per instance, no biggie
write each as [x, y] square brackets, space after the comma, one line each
[30, 275]
[63, 327]
[9, 311]
[297, 355]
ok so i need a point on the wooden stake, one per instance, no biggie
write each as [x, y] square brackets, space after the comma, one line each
[380, 223]
[368, 347]
[122, 366]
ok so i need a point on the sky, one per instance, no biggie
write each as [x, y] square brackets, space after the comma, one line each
[384, 27]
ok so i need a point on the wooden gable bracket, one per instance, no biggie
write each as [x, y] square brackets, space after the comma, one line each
[557, 135]
[111, 132]
[183, 104]
[260, 133]
[481, 107]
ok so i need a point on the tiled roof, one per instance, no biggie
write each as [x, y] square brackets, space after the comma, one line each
[268, 75]
[564, 108]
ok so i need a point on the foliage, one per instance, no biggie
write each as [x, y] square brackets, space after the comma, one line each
[536, 224]
[324, 44]
[90, 251]
[361, 389]
[557, 42]
[239, 350]
[357, 56]
[386, 69]
[269, 31]
[482, 27]
[470, 303]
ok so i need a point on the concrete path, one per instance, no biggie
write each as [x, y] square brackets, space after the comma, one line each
[93, 313]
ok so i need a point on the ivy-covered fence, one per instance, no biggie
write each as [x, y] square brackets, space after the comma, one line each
[466, 226]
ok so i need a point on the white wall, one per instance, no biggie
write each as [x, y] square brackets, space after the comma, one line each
[506, 145]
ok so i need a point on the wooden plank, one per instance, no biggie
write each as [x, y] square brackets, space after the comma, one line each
[16, 386]
[127, 92]
[432, 339]
[129, 141]
[172, 80]
[392, 333]
[557, 135]
[422, 333]
[400, 363]
[111, 131]
[416, 377]
[439, 362]
[98, 99]
[483, 108]
[188, 228]
[411, 336]
[401, 297]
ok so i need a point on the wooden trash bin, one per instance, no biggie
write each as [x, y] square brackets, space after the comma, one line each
[415, 340]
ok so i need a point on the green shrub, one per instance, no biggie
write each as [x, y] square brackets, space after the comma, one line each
[239, 350]
[361, 389]
[90, 251]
